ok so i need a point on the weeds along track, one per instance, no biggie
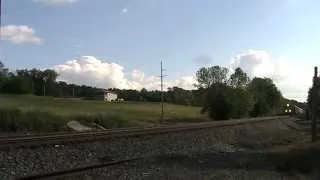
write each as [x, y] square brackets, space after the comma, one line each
[126, 161]
[66, 137]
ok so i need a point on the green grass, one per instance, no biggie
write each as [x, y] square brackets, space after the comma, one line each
[126, 113]
[15, 120]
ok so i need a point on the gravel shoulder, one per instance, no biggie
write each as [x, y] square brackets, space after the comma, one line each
[237, 151]
[198, 166]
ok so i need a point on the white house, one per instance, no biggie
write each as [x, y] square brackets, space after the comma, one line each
[110, 96]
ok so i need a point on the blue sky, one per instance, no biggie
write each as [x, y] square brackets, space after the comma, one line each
[186, 34]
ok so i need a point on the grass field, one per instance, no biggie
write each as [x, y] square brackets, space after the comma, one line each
[139, 113]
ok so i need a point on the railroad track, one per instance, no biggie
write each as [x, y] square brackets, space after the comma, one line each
[63, 138]
[78, 169]
[93, 136]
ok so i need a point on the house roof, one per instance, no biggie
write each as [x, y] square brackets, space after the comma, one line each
[110, 92]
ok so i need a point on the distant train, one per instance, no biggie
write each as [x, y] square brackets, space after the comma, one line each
[292, 110]
[298, 110]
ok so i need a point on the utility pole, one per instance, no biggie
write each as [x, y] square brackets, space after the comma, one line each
[44, 86]
[162, 95]
[314, 105]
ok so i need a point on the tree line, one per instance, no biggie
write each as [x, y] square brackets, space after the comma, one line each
[220, 95]
[237, 96]
[44, 83]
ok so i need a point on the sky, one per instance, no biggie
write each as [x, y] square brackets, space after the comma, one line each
[120, 43]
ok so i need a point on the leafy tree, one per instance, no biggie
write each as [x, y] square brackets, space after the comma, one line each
[240, 98]
[239, 79]
[144, 94]
[217, 103]
[266, 96]
[241, 102]
[212, 75]
[17, 85]
[178, 95]
[3, 70]
[3, 75]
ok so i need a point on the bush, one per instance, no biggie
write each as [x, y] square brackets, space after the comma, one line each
[218, 104]
[266, 97]
[241, 102]
[15, 120]
[224, 102]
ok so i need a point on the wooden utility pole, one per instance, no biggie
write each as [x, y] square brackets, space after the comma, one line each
[314, 105]
[162, 94]
[44, 86]
[161, 76]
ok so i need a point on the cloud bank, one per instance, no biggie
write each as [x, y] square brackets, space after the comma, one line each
[291, 77]
[20, 34]
[91, 71]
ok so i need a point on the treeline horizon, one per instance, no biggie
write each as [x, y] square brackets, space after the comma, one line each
[219, 95]
[44, 83]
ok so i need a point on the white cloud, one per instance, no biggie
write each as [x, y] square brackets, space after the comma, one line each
[249, 60]
[137, 75]
[291, 77]
[89, 70]
[20, 34]
[55, 2]
[185, 82]
[124, 10]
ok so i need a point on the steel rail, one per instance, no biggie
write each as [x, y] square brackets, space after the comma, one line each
[145, 131]
[52, 139]
[77, 170]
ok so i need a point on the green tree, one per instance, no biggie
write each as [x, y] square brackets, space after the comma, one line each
[266, 96]
[241, 102]
[212, 75]
[3, 70]
[17, 85]
[240, 98]
[178, 95]
[49, 78]
[143, 94]
[239, 79]
[3, 75]
[217, 104]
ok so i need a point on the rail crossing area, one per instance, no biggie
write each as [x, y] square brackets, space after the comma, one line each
[236, 149]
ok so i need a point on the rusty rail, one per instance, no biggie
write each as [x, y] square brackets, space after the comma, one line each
[63, 138]
[93, 136]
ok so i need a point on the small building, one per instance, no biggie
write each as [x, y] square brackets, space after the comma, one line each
[110, 96]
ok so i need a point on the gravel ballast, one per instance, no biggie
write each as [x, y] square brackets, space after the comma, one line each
[257, 137]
